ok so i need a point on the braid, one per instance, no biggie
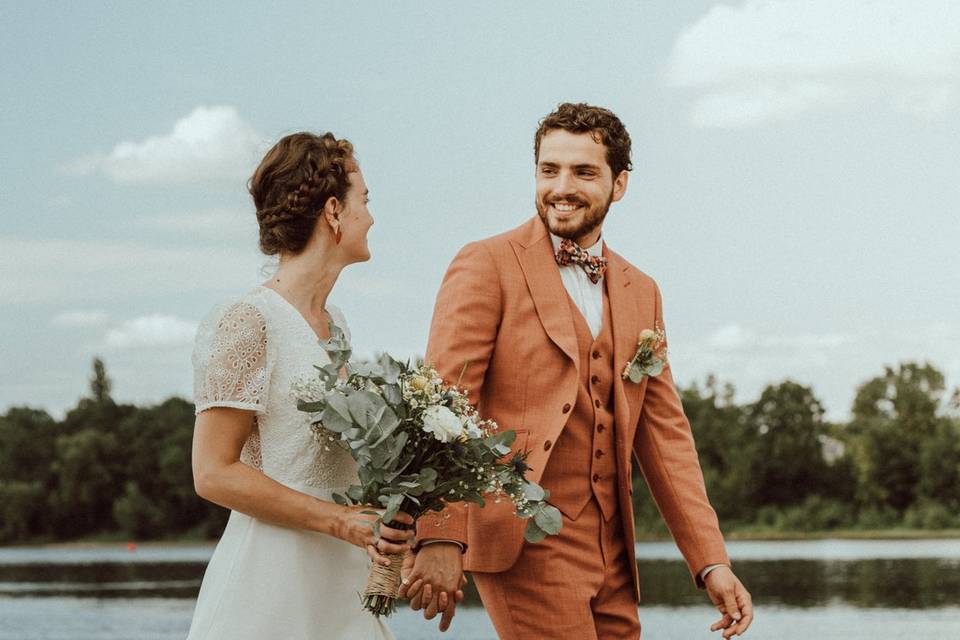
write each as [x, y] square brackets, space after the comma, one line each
[292, 184]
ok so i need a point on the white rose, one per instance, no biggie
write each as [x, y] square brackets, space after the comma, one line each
[442, 423]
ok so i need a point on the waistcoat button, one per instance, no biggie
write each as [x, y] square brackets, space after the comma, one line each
[600, 428]
[547, 445]
[596, 355]
[595, 379]
[596, 403]
[596, 477]
[599, 453]
[566, 408]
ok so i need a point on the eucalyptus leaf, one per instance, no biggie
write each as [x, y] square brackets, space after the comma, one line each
[333, 421]
[534, 492]
[339, 403]
[428, 478]
[364, 407]
[391, 369]
[548, 519]
[533, 532]
[635, 374]
[392, 394]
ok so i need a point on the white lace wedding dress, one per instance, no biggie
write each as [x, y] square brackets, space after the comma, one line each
[265, 581]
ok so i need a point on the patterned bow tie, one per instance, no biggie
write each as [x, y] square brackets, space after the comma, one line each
[572, 253]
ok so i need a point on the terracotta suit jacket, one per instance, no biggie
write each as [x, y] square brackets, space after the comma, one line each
[503, 309]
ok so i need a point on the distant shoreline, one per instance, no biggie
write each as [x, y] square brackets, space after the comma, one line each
[838, 534]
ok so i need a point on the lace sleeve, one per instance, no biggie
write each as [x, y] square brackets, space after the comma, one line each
[230, 360]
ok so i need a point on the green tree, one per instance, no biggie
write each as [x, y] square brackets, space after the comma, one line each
[100, 384]
[940, 466]
[26, 454]
[724, 446]
[87, 469]
[893, 415]
[788, 428]
[136, 514]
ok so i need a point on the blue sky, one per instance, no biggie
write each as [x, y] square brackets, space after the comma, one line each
[795, 186]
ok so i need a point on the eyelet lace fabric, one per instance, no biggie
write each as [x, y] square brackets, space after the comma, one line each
[249, 355]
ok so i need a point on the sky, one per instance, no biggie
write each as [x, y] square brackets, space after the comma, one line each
[795, 188]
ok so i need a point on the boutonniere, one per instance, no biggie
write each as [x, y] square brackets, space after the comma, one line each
[650, 358]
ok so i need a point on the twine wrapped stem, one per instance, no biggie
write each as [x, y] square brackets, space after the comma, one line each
[383, 583]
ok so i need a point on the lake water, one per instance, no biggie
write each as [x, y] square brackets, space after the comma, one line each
[848, 590]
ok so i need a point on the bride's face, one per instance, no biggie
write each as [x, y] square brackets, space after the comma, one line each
[355, 220]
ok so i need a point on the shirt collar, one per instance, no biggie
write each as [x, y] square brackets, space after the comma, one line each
[596, 250]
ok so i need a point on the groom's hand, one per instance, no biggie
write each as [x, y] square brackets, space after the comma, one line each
[434, 582]
[732, 600]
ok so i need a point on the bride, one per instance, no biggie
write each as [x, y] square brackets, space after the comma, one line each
[291, 561]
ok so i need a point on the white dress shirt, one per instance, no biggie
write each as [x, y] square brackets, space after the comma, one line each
[588, 296]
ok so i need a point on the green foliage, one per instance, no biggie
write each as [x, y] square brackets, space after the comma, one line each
[786, 424]
[136, 514]
[21, 509]
[893, 415]
[930, 515]
[102, 467]
[107, 467]
[777, 465]
[100, 384]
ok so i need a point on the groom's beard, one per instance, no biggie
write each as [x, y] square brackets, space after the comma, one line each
[592, 219]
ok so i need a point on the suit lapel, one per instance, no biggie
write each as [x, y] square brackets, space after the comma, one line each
[624, 317]
[549, 295]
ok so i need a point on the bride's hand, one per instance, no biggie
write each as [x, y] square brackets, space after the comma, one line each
[356, 528]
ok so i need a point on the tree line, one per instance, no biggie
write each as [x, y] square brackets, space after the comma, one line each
[776, 464]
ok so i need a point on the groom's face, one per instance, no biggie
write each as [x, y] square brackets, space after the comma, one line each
[575, 185]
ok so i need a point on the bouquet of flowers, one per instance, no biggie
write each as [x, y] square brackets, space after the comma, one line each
[419, 445]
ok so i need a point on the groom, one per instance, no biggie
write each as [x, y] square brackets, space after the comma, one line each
[544, 319]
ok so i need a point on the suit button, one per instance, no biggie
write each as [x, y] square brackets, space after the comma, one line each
[596, 403]
[566, 408]
[601, 428]
[547, 445]
[595, 379]
[599, 453]
[596, 477]
[596, 354]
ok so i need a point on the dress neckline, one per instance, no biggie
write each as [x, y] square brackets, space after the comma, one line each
[297, 312]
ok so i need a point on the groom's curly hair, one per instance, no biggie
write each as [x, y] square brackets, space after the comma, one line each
[293, 182]
[602, 124]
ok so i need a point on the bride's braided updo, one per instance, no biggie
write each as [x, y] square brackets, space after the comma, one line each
[294, 180]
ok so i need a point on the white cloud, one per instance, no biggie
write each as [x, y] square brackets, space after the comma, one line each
[210, 144]
[769, 60]
[103, 273]
[218, 223]
[156, 330]
[80, 318]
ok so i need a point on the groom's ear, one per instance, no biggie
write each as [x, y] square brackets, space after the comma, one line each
[620, 185]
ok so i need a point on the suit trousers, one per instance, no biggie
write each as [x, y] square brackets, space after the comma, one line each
[577, 584]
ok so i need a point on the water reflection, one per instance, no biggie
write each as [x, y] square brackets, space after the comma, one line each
[914, 583]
